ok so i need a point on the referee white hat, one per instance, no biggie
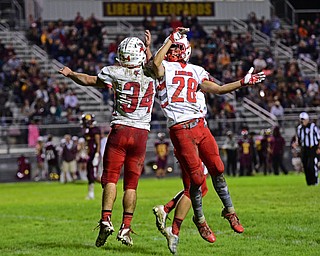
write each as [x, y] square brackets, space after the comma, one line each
[304, 115]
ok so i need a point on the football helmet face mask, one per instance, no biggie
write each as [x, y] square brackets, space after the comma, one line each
[179, 51]
[87, 120]
[131, 52]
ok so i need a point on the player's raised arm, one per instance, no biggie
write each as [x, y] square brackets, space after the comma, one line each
[177, 34]
[147, 42]
[249, 79]
[81, 78]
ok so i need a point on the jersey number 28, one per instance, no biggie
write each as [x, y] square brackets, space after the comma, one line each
[191, 89]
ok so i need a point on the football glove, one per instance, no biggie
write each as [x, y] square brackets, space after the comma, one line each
[177, 34]
[96, 159]
[252, 78]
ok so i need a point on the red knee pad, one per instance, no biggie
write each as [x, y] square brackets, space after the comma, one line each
[197, 178]
[218, 167]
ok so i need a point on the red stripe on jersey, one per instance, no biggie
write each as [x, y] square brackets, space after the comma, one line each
[164, 104]
[182, 64]
[161, 86]
[108, 85]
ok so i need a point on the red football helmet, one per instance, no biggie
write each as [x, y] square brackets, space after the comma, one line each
[179, 51]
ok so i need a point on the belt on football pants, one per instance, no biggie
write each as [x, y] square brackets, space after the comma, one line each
[188, 124]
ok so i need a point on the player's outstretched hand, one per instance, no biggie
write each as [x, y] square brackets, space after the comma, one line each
[178, 33]
[65, 71]
[252, 78]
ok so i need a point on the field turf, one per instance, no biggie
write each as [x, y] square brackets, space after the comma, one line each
[281, 216]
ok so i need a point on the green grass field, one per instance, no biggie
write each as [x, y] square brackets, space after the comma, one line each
[280, 216]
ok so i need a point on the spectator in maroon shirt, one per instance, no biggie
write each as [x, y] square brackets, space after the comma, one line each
[69, 163]
[277, 146]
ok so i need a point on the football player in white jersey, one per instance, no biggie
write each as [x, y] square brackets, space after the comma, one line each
[181, 201]
[126, 146]
[193, 141]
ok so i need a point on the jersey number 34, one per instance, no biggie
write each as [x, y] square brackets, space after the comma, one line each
[133, 99]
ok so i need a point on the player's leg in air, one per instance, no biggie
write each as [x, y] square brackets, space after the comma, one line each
[181, 203]
[209, 153]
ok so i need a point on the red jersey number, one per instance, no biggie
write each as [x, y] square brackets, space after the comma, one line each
[191, 89]
[133, 99]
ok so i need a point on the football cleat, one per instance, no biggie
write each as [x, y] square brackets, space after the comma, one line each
[161, 217]
[205, 231]
[171, 239]
[106, 229]
[124, 235]
[233, 220]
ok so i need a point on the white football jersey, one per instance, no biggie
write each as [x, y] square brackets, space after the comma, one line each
[134, 95]
[201, 101]
[177, 92]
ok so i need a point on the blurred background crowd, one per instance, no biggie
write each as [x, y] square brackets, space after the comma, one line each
[79, 44]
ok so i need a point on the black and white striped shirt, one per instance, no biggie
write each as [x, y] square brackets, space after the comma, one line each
[308, 136]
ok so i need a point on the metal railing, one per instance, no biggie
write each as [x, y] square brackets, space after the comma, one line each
[261, 37]
[289, 12]
[4, 26]
[281, 49]
[309, 68]
[17, 143]
[292, 15]
[238, 25]
[13, 13]
[259, 111]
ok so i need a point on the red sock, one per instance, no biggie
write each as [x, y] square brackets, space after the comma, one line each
[126, 219]
[106, 215]
[172, 204]
[169, 206]
[176, 224]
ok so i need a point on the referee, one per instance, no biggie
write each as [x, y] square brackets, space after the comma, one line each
[308, 138]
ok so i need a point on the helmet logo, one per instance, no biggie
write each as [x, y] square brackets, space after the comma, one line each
[123, 58]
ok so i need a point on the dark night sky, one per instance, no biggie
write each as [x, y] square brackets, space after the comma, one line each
[305, 4]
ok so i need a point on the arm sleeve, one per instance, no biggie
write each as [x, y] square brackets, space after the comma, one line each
[106, 77]
[203, 75]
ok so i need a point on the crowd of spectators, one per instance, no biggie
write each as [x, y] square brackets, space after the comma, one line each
[80, 45]
[303, 38]
[228, 57]
[30, 95]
